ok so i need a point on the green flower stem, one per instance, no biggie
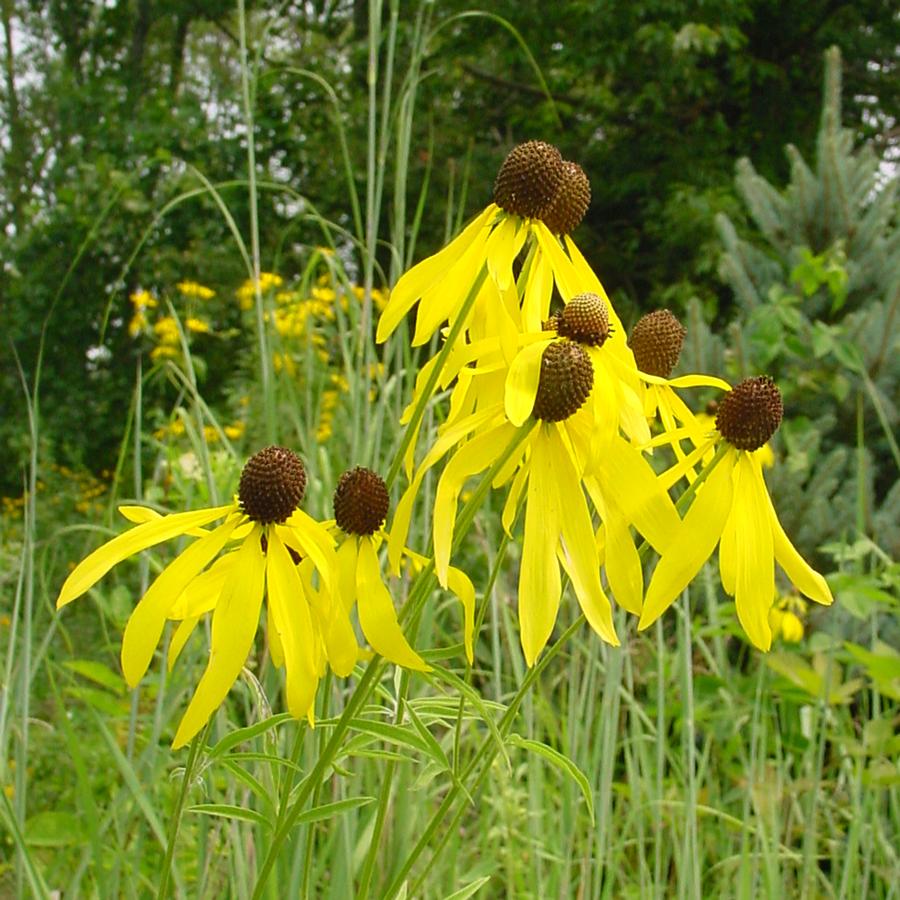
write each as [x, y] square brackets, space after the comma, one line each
[175, 821]
[364, 687]
[432, 381]
[384, 797]
[484, 757]
[418, 594]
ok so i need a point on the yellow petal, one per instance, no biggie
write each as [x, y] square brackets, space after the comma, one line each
[179, 638]
[234, 625]
[583, 563]
[293, 623]
[538, 291]
[696, 381]
[276, 649]
[201, 595]
[623, 564]
[728, 554]
[564, 273]
[755, 562]
[692, 543]
[462, 586]
[442, 301]
[522, 381]
[140, 514]
[347, 555]
[147, 620]
[591, 282]
[511, 506]
[628, 479]
[447, 440]
[803, 576]
[91, 569]
[539, 580]
[502, 248]
[376, 612]
[306, 536]
[423, 275]
[471, 458]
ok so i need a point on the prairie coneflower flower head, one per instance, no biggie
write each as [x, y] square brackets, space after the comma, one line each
[264, 534]
[656, 341]
[733, 510]
[361, 503]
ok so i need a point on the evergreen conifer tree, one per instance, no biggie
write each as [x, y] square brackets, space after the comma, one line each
[816, 279]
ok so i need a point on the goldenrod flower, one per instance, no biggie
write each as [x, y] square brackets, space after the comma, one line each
[193, 289]
[734, 511]
[266, 524]
[197, 326]
[360, 507]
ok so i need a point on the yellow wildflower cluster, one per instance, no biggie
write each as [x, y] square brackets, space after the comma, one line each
[141, 301]
[246, 293]
[176, 429]
[193, 289]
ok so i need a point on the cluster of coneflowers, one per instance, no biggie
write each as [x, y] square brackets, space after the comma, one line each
[582, 427]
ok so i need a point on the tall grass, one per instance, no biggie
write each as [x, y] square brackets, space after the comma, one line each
[681, 764]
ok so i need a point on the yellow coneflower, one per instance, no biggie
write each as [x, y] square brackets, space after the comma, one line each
[734, 511]
[266, 524]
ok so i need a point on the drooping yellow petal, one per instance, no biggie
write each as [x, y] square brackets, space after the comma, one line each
[692, 543]
[426, 273]
[445, 442]
[539, 579]
[471, 458]
[289, 609]
[377, 616]
[234, 624]
[582, 561]
[147, 620]
[94, 566]
[754, 590]
[564, 274]
[629, 480]
[179, 638]
[202, 593]
[502, 248]
[511, 506]
[347, 554]
[728, 553]
[462, 586]
[276, 649]
[138, 515]
[522, 381]
[591, 282]
[623, 564]
[538, 292]
[802, 575]
[442, 301]
[305, 535]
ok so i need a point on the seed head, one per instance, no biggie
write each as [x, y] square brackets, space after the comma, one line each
[750, 413]
[360, 501]
[585, 319]
[567, 377]
[272, 485]
[570, 203]
[529, 179]
[656, 342]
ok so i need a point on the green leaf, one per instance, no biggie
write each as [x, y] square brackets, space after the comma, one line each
[232, 812]
[332, 809]
[469, 890]
[561, 762]
[97, 673]
[248, 733]
[54, 829]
